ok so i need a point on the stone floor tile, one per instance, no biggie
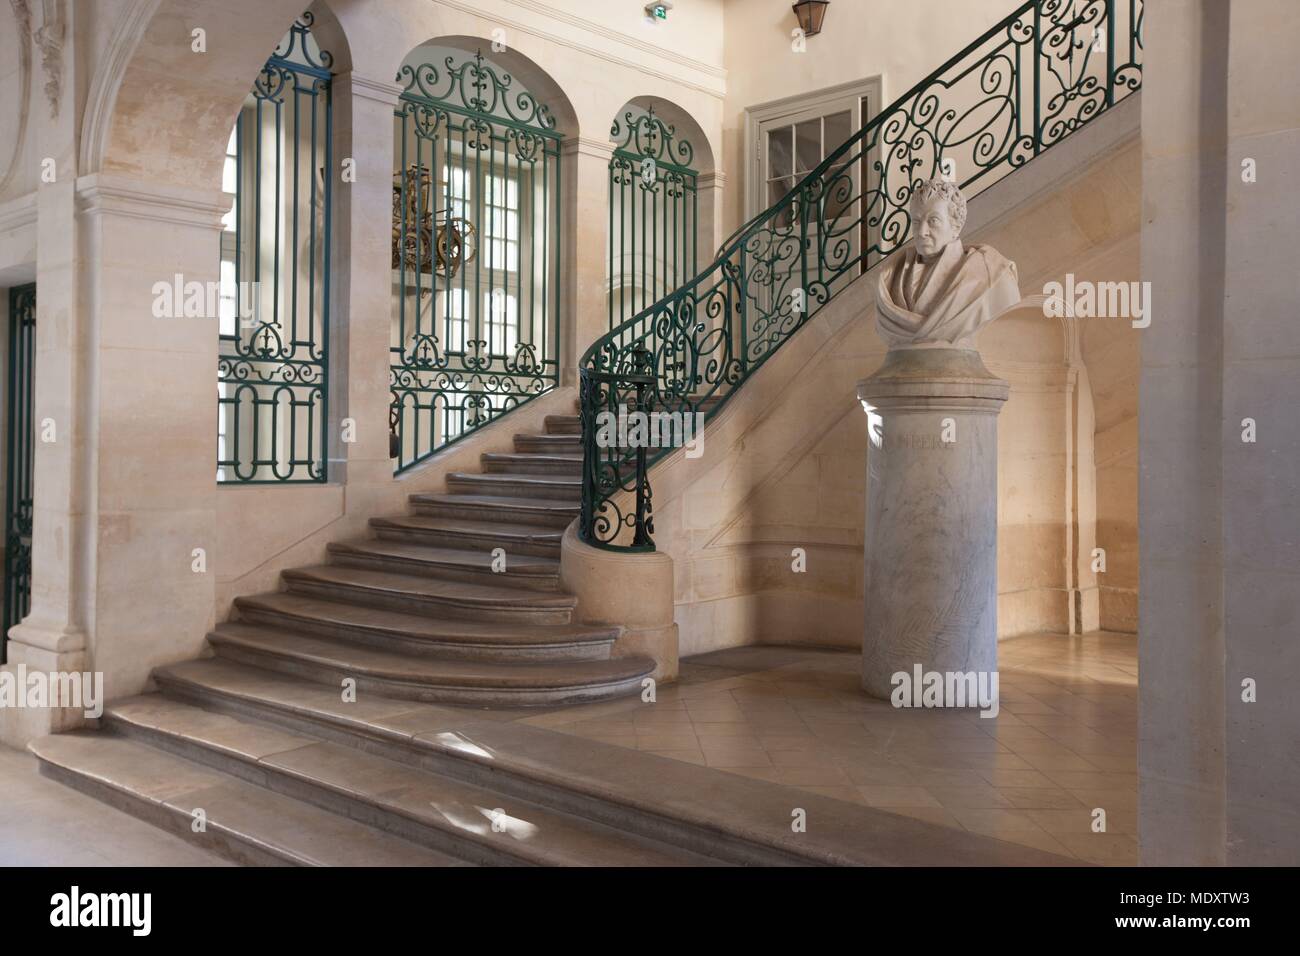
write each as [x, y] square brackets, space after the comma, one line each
[892, 796]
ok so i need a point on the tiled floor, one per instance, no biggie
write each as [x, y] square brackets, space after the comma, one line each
[1063, 745]
[43, 823]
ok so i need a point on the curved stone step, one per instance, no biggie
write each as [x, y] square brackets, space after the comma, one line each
[499, 509]
[243, 822]
[550, 487]
[549, 444]
[506, 463]
[417, 594]
[424, 635]
[425, 679]
[535, 572]
[563, 425]
[469, 534]
[442, 813]
[727, 816]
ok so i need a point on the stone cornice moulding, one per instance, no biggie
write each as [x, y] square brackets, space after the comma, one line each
[717, 91]
[107, 82]
[17, 213]
[586, 146]
[107, 194]
[369, 88]
[714, 180]
[662, 53]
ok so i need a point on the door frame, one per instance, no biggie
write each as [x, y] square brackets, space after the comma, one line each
[793, 109]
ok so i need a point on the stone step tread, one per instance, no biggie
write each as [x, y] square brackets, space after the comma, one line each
[460, 558]
[437, 672]
[531, 834]
[753, 811]
[562, 422]
[527, 458]
[505, 531]
[311, 610]
[545, 439]
[286, 828]
[416, 585]
[497, 478]
[541, 505]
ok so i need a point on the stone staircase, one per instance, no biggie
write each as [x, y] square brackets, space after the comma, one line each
[418, 611]
[258, 755]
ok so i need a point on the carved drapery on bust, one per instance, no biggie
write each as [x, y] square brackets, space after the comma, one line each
[938, 292]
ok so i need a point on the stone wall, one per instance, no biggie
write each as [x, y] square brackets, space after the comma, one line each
[784, 462]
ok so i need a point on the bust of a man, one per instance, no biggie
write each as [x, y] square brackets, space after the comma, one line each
[936, 293]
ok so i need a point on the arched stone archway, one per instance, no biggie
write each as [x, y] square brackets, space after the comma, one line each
[169, 107]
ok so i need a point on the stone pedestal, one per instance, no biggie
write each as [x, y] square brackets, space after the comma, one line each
[932, 515]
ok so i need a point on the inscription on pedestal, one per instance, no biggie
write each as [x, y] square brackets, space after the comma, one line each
[916, 440]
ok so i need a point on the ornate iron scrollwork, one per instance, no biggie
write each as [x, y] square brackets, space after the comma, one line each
[1040, 74]
[474, 253]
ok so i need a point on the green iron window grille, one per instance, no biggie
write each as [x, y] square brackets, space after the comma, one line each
[653, 212]
[476, 219]
[20, 456]
[272, 378]
[1039, 75]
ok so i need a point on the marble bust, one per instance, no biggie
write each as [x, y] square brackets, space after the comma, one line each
[937, 292]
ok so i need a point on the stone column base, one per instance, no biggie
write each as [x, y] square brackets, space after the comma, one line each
[20, 724]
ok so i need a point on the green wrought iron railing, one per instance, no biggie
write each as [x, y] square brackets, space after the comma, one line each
[20, 458]
[476, 253]
[1026, 84]
[272, 378]
[653, 212]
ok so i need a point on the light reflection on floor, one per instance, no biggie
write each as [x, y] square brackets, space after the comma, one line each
[1064, 744]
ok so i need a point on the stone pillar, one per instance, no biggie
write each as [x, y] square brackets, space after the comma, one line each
[362, 318]
[584, 259]
[1220, 535]
[53, 635]
[710, 190]
[932, 515]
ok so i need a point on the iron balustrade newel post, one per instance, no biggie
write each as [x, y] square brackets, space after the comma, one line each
[1110, 52]
[1033, 58]
[694, 347]
[643, 537]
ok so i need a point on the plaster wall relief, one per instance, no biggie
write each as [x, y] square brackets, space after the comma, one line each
[49, 34]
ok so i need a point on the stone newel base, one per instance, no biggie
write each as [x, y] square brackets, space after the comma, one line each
[932, 513]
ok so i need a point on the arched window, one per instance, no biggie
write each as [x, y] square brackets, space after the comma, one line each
[274, 304]
[476, 200]
[653, 211]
